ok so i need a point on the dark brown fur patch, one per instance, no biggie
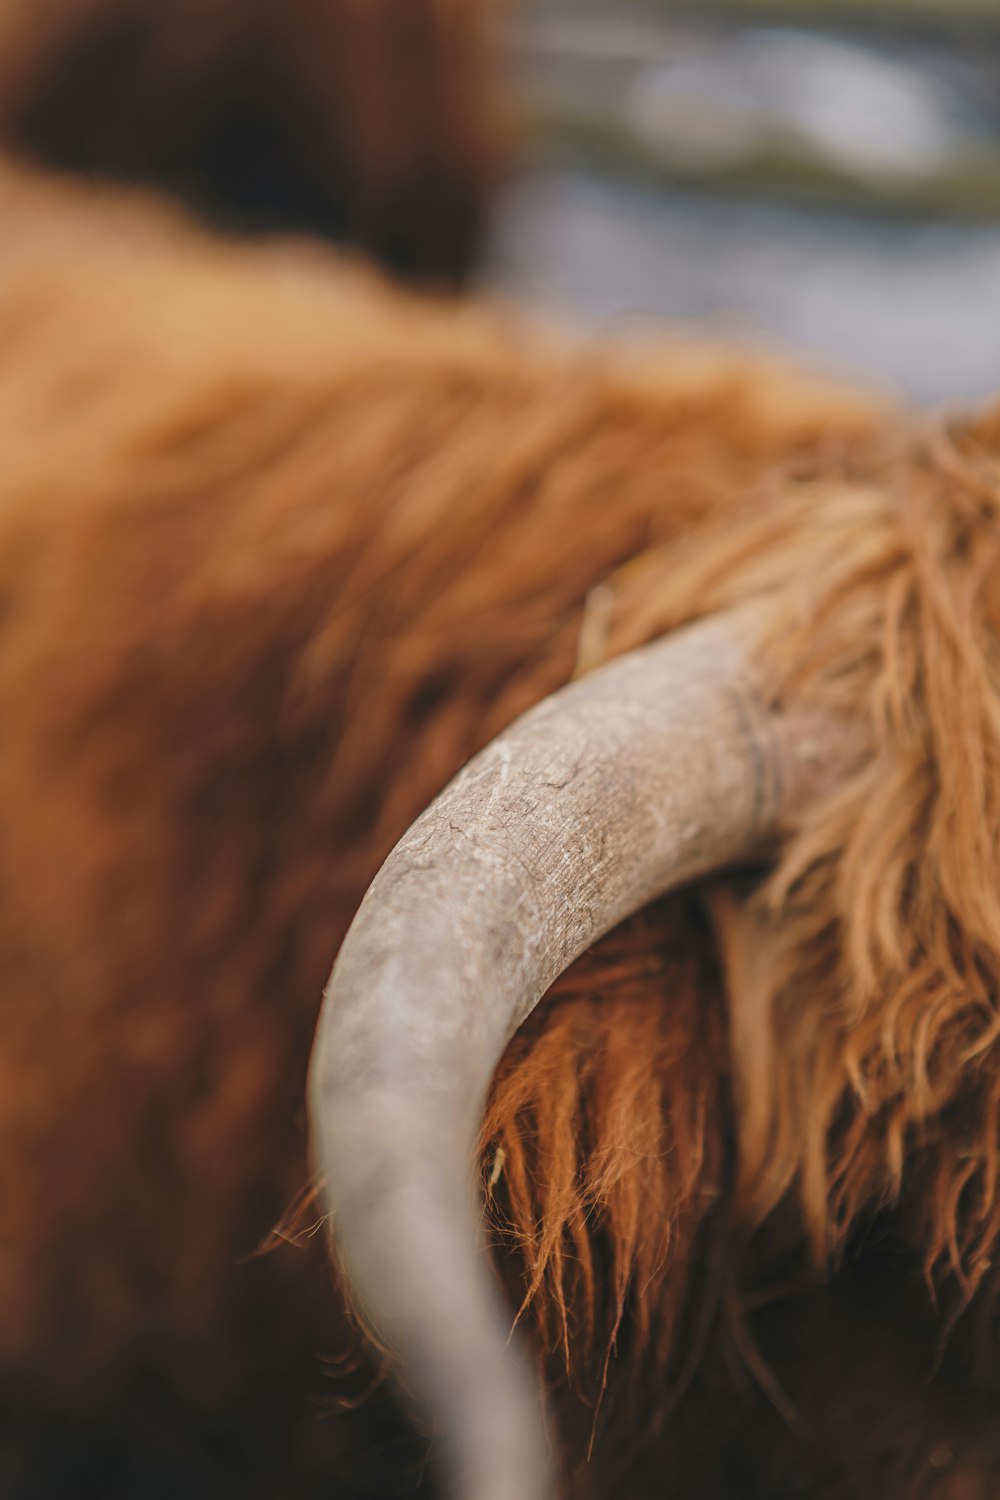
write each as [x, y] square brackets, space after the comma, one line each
[372, 121]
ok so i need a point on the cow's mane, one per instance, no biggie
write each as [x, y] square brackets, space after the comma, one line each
[855, 1020]
[280, 548]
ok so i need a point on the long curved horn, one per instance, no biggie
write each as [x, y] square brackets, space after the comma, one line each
[658, 768]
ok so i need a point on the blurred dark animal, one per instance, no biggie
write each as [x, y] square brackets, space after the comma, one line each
[366, 120]
[280, 548]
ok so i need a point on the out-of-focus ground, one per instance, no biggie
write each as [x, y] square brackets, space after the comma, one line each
[834, 187]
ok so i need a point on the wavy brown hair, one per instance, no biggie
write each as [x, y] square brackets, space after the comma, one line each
[281, 548]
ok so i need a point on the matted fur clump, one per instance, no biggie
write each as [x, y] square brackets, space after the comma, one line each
[368, 120]
[281, 548]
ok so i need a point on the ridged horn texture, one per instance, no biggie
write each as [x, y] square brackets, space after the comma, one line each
[658, 768]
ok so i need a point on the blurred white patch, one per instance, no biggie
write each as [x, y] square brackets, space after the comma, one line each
[851, 107]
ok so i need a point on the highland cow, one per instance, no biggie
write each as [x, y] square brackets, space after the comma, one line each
[281, 549]
[367, 120]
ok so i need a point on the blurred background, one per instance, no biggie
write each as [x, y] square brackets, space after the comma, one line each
[820, 173]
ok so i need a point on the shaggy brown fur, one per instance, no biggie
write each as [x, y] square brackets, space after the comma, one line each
[280, 548]
[365, 119]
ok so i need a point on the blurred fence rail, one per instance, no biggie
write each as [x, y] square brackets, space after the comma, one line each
[889, 123]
